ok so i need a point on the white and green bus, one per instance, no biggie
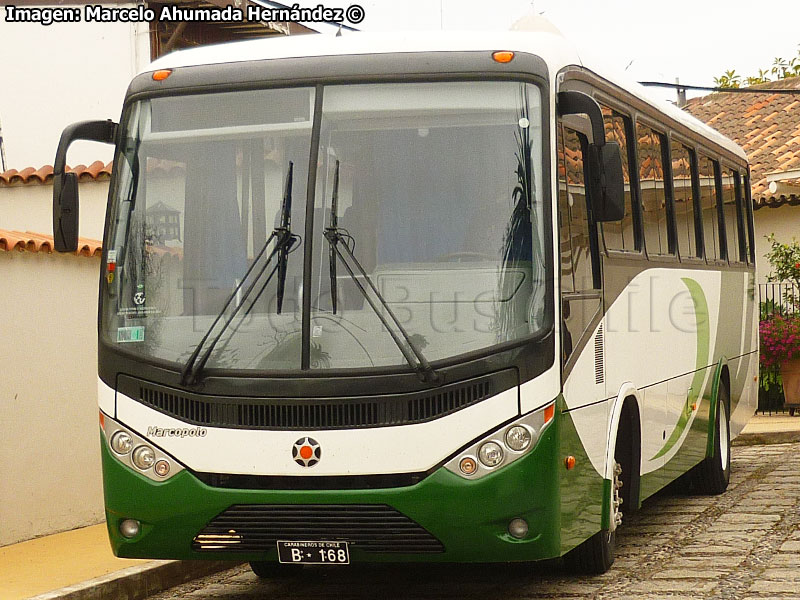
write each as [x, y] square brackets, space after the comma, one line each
[389, 298]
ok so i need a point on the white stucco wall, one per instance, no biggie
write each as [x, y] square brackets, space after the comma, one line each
[784, 222]
[30, 208]
[50, 476]
[61, 73]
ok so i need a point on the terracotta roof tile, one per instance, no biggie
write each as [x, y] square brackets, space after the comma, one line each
[29, 241]
[97, 171]
[766, 127]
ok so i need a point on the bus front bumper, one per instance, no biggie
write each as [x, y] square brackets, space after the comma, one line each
[469, 518]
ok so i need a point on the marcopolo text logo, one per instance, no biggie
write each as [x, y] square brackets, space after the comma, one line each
[181, 432]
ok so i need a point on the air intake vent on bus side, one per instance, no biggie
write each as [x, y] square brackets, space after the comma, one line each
[318, 413]
[599, 356]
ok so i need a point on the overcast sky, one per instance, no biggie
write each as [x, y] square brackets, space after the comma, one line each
[50, 80]
[694, 40]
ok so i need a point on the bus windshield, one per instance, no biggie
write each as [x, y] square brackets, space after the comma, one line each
[439, 203]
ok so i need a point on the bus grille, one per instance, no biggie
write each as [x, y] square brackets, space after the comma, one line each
[318, 413]
[368, 527]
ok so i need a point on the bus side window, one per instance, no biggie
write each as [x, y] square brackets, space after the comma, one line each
[651, 183]
[748, 205]
[708, 204]
[620, 235]
[574, 239]
[730, 216]
[743, 249]
[684, 201]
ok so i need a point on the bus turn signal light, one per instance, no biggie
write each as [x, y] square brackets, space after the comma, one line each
[569, 462]
[161, 74]
[503, 56]
[549, 413]
[468, 465]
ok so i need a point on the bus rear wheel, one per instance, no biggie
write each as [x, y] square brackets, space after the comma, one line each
[712, 475]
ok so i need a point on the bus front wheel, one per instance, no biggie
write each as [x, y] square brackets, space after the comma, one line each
[273, 570]
[596, 555]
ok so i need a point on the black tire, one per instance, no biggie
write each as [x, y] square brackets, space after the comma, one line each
[791, 411]
[274, 570]
[596, 555]
[711, 476]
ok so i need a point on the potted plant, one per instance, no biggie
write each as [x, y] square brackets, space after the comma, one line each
[780, 329]
[780, 352]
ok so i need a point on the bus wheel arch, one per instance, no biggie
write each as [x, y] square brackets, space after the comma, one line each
[596, 554]
[628, 452]
[712, 475]
[625, 442]
[725, 379]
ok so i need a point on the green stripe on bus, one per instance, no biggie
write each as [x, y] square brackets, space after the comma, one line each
[703, 338]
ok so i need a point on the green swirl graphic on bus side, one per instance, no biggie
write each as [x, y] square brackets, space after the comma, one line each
[703, 330]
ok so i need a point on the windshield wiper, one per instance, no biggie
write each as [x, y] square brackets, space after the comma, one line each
[284, 242]
[284, 231]
[333, 227]
[339, 241]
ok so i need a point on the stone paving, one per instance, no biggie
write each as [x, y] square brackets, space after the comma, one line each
[744, 544]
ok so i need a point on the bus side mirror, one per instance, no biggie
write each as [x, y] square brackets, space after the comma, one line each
[607, 182]
[65, 185]
[65, 212]
[606, 179]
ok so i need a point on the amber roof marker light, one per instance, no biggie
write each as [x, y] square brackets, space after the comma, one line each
[161, 74]
[503, 56]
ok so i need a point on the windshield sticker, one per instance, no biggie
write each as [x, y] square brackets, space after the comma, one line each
[138, 312]
[138, 298]
[130, 334]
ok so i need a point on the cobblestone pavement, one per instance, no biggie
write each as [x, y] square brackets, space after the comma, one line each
[744, 544]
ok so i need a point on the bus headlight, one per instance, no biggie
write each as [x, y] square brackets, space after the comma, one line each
[121, 442]
[491, 454]
[143, 457]
[518, 438]
[138, 453]
[502, 446]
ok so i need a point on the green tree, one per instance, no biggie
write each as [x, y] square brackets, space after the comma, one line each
[729, 79]
[780, 69]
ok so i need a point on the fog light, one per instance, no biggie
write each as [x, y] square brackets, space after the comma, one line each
[518, 438]
[129, 528]
[468, 465]
[161, 468]
[491, 454]
[144, 457]
[121, 442]
[518, 528]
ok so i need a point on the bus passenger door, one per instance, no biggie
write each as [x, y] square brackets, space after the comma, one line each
[580, 289]
[583, 376]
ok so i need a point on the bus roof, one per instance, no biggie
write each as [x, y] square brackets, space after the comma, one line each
[553, 48]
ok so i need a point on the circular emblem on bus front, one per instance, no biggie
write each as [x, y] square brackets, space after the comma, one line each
[306, 452]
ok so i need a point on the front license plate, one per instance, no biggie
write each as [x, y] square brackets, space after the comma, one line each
[313, 553]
